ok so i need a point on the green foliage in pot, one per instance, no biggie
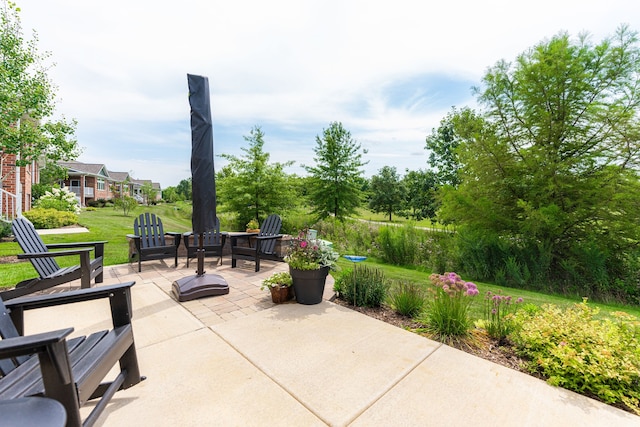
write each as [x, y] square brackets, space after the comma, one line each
[282, 280]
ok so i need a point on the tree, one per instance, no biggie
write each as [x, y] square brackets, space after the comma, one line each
[170, 195]
[442, 144]
[420, 199]
[250, 186]
[27, 99]
[50, 176]
[387, 192]
[551, 163]
[336, 177]
[148, 192]
[184, 189]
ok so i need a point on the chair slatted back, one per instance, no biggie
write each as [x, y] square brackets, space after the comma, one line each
[8, 330]
[270, 227]
[30, 242]
[209, 238]
[149, 227]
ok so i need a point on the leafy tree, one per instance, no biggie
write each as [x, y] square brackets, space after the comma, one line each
[148, 192]
[420, 199]
[50, 176]
[126, 203]
[552, 161]
[170, 195]
[251, 187]
[336, 178]
[442, 144]
[387, 192]
[27, 99]
[184, 189]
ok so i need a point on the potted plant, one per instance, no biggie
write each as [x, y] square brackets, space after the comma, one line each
[309, 262]
[280, 286]
[253, 226]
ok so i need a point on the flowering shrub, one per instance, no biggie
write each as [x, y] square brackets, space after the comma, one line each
[59, 199]
[448, 310]
[575, 350]
[311, 254]
[498, 314]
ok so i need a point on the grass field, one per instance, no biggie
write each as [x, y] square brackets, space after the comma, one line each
[113, 226]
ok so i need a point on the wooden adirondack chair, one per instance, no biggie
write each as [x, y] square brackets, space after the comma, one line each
[42, 259]
[213, 242]
[264, 243]
[149, 238]
[69, 371]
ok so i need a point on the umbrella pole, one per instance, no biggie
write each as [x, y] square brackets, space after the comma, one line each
[200, 271]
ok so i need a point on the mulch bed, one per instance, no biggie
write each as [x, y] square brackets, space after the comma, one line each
[479, 343]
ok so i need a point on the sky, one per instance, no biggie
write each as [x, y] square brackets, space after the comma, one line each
[389, 71]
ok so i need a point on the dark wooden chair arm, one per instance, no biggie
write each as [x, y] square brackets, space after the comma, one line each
[176, 237]
[275, 236]
[55, 253]
[76, 245]
[26, 345]
[119, 297]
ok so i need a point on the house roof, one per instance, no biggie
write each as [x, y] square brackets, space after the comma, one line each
[119, 176]
[95, 169]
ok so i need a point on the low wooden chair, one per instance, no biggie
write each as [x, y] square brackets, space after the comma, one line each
[149, 238]
[213, 241]
[70, 371]
[261, 245]
[43, 260]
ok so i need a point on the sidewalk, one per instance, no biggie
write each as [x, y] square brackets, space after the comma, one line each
[240, 360]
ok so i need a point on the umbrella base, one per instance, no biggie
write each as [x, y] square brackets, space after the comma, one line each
[193, 287]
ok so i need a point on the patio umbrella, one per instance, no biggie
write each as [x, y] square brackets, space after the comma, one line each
[203, 191]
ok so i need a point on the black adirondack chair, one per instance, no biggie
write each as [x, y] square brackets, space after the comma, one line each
[149, 238]
[43, 260]
[70, 371]
[213, 241]
[260, 246]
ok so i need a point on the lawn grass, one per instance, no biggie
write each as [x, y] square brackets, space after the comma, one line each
[397, 273]
[112, 225]
[367, 215]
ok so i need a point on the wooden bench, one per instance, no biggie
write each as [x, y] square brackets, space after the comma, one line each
[70, 371]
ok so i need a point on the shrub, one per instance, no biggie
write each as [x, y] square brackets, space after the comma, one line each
[399, 245]
[407, 298]
[499, 315]
[576, 351]
[59, 199]
[50, 218]
[5, 229]
[362, 286]
[448, 313]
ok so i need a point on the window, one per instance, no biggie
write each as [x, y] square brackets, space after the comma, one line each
[100, 185]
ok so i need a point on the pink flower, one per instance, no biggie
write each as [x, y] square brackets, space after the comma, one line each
[303, 244]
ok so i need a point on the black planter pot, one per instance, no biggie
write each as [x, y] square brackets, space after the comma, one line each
[308, 285]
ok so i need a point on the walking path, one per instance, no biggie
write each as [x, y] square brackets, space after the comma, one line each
[240, 360]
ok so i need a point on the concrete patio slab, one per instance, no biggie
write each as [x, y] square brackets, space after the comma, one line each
[335, 361]
[453, 388]
[198, 380]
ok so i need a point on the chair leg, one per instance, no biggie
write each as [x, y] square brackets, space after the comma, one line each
[233, 262]
[257, 263]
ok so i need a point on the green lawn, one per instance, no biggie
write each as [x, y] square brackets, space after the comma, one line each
[111, 225]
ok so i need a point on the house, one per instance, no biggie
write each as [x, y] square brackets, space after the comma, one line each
[16, 182]
[93, 181]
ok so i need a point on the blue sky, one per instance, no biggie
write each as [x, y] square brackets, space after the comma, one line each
[389, 71]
